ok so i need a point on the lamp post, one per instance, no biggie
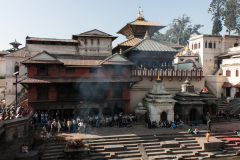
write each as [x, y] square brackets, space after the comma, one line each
[16, 74]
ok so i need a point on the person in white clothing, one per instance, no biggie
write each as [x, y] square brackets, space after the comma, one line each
[81, 127]
[46, 116]
[78, 119]
[196, 131]
[53, 125]
[59, 126]
[36, 117]
[69, 123]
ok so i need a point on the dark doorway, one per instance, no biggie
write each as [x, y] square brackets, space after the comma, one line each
[117, 109]
[164, 116]
[228, 90]
[213, 109]
[193, 115]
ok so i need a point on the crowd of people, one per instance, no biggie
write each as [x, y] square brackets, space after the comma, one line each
[12, 112]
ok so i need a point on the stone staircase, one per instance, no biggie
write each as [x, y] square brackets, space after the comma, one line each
[54, 151]
[22, 96]
[221, 105]
[234, 106]
[179, 146]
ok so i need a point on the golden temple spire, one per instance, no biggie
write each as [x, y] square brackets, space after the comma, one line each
[158, 78]
[139, 12]
[187, 48]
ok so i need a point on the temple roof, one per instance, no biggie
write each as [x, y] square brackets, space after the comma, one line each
[116, 59]
[94, 33]
[18, 53]
[50, 39]
[226, 85]
[237, 85]
[150, 45]
[139, 27]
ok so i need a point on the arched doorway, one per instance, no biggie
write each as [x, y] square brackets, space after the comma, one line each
[118, 109]
[164, 116]
[193, 115]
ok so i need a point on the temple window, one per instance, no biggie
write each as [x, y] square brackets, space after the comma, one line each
[117, 70]
[199, 45]
[139, 64]
[164, 116]
[214, 45]
[154, 65]
[42, 93]
[210, 45]
[70, 70]
[16, 67]
[228, 92]
[42, 71]
[93, 70]
[117, 91]
[236, 73]
[206, 44]
[235, 44]
[195, 46]
[62, 92]
[228, 73]
[160, 65]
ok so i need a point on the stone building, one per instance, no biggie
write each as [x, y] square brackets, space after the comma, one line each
[89, 82]
[160, 103]
[189, 104]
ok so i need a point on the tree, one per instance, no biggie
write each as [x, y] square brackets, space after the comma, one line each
[217, 10]
[231, 14]
[179, 32]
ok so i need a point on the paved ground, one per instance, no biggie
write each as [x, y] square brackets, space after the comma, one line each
[143, 130]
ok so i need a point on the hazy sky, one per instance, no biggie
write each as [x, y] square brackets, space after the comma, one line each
[61, 19]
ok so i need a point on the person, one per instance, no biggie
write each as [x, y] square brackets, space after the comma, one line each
[190, 131]
[69, 123]
[46, 116]
[97, 122]
[48, 135]
[107, 121]
[177, 117]
[149, 123]
[64, 125]
[74, 125]
[195, 123]
[44, 131]
[173, 125]
[53, 125]
[24, 149]
[36, 117]
[209, 125]
[59, 126]
[81, 127]
[42, 116]
[110, 121]
[207, 136]
[196, 131]
[78, 120]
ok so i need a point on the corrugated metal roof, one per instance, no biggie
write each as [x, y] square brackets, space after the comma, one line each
[150, 45]
[51, 39]
[71, 80]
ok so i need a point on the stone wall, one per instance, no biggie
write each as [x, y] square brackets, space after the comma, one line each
[15, 133]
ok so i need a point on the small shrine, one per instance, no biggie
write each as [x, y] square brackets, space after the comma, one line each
[160, 103]
[189, 104]
[140, 112]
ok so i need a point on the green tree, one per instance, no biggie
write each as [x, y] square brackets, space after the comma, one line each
[180, 31]
[231, 14]
[217, 10]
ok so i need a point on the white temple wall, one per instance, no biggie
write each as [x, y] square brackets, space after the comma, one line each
[156, 109]
[140, 89]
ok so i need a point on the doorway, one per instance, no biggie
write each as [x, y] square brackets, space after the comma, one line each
[164, 116]
[193, 115]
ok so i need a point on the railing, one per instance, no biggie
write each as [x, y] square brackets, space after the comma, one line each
[167, 73]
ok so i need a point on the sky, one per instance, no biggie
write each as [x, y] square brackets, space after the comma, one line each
[62, 19]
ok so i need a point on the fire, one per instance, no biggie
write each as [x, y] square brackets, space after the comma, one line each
[75, 144]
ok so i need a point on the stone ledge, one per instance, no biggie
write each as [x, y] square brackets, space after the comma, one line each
[214, 144]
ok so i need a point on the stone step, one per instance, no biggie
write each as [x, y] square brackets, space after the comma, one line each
[184, 139]
[232, 148]
[182, 152]
[55, 147]
[192, 144]
[190, 141]
[154, 150]
[125, 142]
[194, 147]
[53, 154]
[54, 150]
[53, 157]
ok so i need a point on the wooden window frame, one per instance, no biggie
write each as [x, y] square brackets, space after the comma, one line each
[116, 89]
[237, 73]
[41, 73]
[228, 75]
[40, 97]
[70, 70]
[206, 45]
[93, 70]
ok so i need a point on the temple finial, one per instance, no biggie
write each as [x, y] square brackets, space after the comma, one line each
[187, 48]
[158, 78]
[139, 12]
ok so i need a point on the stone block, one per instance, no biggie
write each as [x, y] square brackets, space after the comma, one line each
[214, 144]
[169, 144]
[113, 147]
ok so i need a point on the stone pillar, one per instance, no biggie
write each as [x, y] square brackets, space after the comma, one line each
[62, 113]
